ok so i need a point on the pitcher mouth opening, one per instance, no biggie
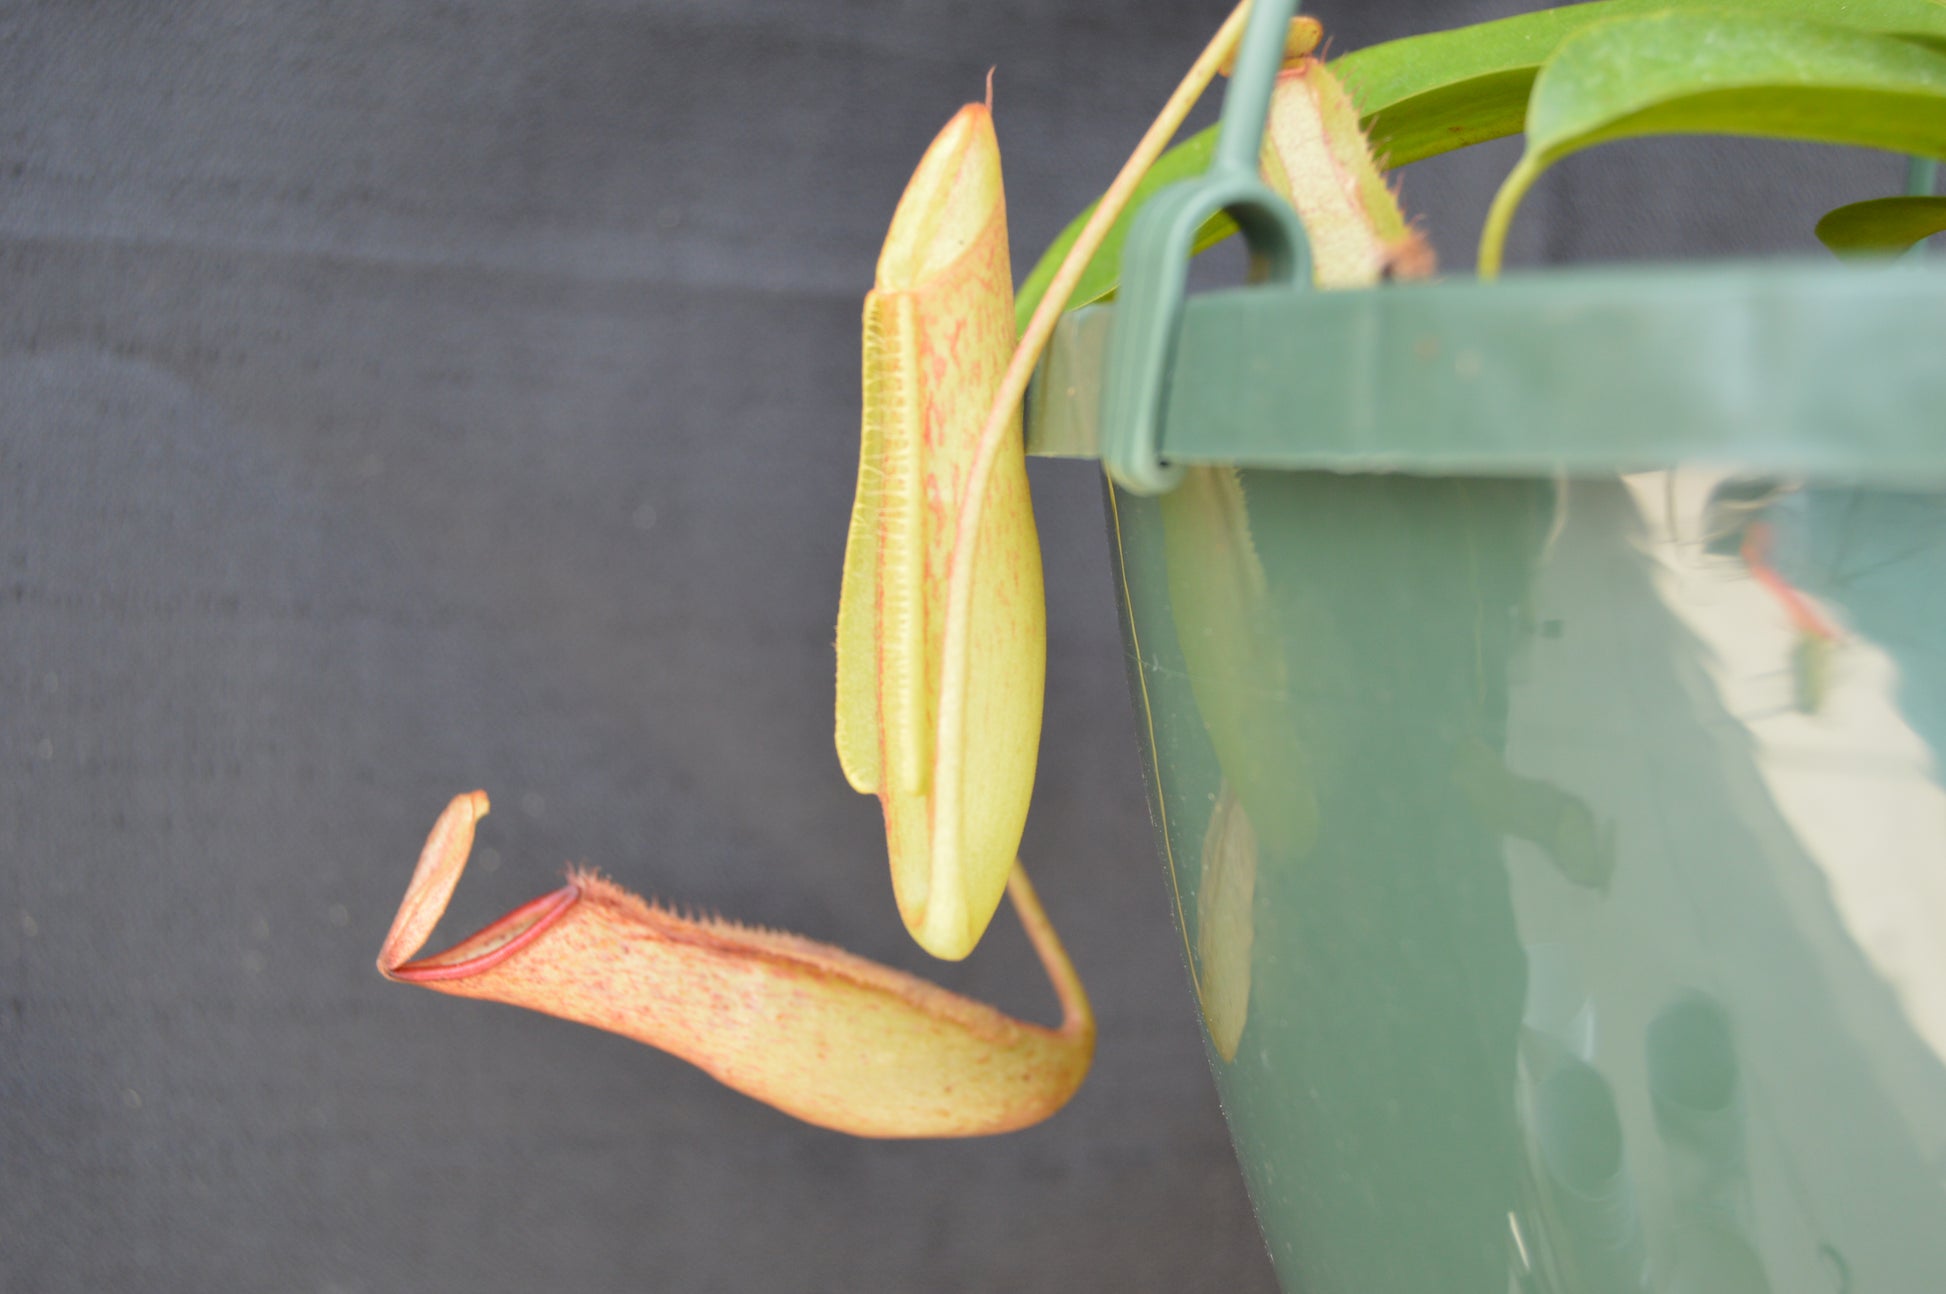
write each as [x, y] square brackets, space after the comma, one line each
[489, 947]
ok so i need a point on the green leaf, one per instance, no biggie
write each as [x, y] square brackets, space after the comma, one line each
[1724, 73]
[1185, 161]
[1429, 94]
[1881, 227]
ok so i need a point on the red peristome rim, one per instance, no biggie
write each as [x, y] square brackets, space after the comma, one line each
[1803, 616]
[538, 915]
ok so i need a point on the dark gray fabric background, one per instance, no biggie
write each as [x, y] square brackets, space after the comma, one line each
[402, 398]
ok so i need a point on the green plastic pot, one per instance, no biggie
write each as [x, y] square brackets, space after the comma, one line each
[1543, 696]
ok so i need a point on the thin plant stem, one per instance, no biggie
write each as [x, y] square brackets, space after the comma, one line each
[1027, 353]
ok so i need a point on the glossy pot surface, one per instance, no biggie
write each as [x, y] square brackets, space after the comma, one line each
[1561, 866]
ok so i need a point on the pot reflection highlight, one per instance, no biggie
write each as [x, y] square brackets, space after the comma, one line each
[1596, 945]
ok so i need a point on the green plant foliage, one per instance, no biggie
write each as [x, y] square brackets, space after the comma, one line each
[1726, 73]
[1881, 227]
[1433, 93]
[1183, 162]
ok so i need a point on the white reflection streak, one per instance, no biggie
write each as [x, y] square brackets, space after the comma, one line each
[1853, 781]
